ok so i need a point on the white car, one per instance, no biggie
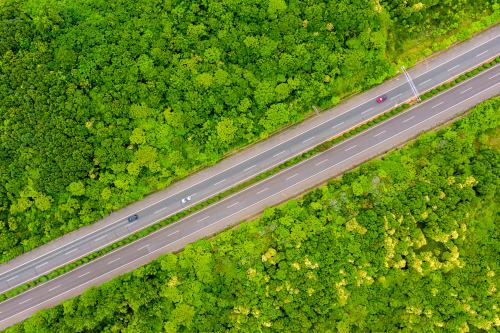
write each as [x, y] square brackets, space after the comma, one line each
[186, 199]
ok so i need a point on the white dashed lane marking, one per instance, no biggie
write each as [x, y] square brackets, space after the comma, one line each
[480, 54]
[321, 162]
[337, 125]
[219, 182]
[173, 233]
[494, 76]
[367, 110]
[438, 104]
[426, 81]
[203, 219]
[71, 251]
[281, 152]
[309, 139]
[250, 167]
[352, 147]
[25, 301]
[42, 264]
[112, 261]
[263, 190]
[379, 133]
[408, 119]
[54, 288]
[466, 90]
[232, 205]
[394, 97]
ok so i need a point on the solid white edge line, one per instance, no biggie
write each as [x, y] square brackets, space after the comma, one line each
[182, 190]
[161, 248]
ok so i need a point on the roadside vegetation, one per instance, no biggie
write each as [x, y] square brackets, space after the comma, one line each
[406, 242]
[103, 102]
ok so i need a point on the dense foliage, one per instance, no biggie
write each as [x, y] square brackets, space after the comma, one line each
[409, 242]
[104, 101]
[431, 17]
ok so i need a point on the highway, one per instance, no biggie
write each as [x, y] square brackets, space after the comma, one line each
[71, 247]
[252, 200]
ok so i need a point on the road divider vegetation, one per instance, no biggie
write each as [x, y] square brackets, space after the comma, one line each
[322, 147]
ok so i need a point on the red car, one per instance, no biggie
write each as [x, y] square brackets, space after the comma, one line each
[381, 98]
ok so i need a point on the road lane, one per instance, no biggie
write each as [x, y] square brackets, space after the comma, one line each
[251, 200]
[12, 276]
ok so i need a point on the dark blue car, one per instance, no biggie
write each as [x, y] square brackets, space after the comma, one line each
[133, 218]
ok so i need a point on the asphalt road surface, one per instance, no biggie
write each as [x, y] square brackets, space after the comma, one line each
[252, 200]
[18, 272]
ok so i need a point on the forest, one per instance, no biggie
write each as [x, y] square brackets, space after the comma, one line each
[105, 101]
[407, 242]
